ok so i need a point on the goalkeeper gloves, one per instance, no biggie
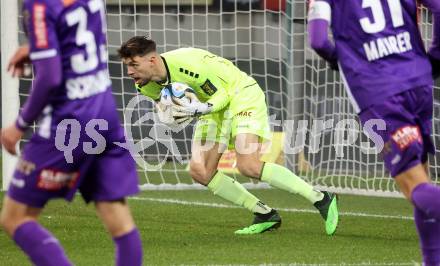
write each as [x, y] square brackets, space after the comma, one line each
[184, 109]
[435, 63]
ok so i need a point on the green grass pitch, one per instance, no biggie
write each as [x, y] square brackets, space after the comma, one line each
[196, 228]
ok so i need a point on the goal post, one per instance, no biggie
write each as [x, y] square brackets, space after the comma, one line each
[10, 98]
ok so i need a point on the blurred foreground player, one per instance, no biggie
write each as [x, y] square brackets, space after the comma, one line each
[387, 72]
[72, 92]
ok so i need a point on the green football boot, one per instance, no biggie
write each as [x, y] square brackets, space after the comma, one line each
[328, 208]
[262, 223]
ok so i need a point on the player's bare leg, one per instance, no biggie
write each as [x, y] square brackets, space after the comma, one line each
[248, 148]
[204, 160]
[20, 223]
[203, 169]
[415, 185]
[410, 179]
[119, 222]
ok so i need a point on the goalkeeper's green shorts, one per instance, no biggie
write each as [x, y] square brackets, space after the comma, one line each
[246, 113]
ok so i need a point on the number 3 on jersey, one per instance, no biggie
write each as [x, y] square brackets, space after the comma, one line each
[378, 22]
[79, 62]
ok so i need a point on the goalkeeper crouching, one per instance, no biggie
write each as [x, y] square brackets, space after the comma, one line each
[232, 112]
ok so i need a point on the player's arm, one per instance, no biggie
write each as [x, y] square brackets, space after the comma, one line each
[150, 90]
[214, 83]
[434, 50]
[46, 60]
[48, 77]
[319, 19]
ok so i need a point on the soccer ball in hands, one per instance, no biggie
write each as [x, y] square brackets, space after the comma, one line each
[168, 96]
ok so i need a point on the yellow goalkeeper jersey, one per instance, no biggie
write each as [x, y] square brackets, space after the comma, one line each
[214, 79]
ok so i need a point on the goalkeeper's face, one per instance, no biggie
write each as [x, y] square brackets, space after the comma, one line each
[143, 69]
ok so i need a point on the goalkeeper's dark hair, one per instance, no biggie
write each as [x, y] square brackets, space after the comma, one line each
[137, 46]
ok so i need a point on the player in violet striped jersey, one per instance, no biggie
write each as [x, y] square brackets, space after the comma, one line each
[71, 94]
[387, 72]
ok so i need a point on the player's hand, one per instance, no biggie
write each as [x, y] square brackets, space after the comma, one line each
[17, 64]
[10, 137]
[435, 63]
[192, 108]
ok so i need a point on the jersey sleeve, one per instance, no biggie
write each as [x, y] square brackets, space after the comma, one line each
[320, 9]
[319, 20]
[39, 19]
[150, 90]
[216, 74]
[39, 23]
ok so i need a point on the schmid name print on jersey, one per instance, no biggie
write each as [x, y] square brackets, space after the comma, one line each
[394, 44]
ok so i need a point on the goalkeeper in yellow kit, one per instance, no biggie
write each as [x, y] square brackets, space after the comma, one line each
[232, 112]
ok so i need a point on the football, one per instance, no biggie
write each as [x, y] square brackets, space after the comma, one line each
[177, 90]
[174, 90]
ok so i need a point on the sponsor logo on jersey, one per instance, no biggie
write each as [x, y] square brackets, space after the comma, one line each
[208, 88]
[50, 179]
[245, 113]
[39, 22]
[406, 135]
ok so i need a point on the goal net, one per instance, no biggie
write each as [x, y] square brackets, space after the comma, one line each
[318, 134]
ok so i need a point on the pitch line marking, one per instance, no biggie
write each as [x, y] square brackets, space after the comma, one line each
[220, 205]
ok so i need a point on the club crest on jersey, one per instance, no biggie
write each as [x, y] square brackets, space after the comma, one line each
[208, 88]
[40, 29]
[406, 135]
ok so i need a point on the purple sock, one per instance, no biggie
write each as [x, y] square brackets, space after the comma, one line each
[129, 249]
[429, 234]
[40, 245]
[426, 197]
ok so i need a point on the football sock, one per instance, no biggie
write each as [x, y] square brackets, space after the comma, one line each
[231, 190]
[282, 178]
[426, 197]
[40, 245]
[129, 249]
[429, 232]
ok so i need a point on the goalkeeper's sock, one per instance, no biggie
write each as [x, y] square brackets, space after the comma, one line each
[231, 190]
[282, 178]
[129, 249]
[40, 245]
[426, 197]
[429, 231]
